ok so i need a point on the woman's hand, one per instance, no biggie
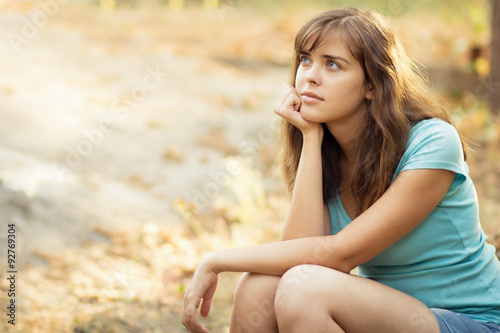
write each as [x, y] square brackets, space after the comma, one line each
[202, 286]
[288, 105]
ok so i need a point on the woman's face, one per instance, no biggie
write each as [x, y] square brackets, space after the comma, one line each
[331, 83]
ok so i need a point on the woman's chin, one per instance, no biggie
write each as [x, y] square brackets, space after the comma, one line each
[310, 115]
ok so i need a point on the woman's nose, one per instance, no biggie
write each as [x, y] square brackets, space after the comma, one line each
[313, 75]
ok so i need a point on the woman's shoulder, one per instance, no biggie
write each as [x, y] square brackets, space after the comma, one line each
[433, 143]
[431, 125]
[433, 129]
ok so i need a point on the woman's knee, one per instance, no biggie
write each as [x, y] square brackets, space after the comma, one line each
[256, 289]
[293, 290]
[300, 288]
[253, 307]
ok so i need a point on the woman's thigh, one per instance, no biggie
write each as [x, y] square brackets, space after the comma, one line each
[355, 303]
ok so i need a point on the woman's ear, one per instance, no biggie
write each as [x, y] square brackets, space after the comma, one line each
[369, 92]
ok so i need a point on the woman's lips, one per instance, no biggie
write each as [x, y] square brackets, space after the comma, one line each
[310, 97]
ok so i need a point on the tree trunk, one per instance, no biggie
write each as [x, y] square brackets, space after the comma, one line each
[495, 59]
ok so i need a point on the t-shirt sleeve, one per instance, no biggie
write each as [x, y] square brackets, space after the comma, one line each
[434, 144]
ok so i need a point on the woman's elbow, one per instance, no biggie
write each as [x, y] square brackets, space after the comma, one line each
[329, 253]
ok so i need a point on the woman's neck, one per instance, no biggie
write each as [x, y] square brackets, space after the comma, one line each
[347, 140]
[346, 133]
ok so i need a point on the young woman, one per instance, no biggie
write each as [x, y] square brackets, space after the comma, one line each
[378, 181]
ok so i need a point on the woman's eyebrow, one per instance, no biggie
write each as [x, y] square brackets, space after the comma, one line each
[327, 56]
[335, 57]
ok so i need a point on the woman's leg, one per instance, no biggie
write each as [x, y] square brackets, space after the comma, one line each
[253, 308]
[318, 299]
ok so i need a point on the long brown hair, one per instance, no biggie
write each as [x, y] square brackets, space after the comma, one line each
[401, 97]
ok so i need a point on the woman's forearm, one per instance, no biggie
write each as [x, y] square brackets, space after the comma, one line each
[306, 214]
[277, 258]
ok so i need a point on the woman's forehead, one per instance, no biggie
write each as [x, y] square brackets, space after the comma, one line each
[329, 43]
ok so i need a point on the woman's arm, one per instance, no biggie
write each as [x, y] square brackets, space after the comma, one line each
[306, 215]
[411, 197]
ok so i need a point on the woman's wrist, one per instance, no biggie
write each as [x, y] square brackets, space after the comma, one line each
[313, 134]
[209, 262]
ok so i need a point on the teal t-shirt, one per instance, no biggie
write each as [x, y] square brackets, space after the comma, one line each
[445, 261]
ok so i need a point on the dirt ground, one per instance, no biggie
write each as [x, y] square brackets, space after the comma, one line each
[135, 140]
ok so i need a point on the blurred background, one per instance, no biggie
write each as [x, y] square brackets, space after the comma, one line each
[137, 135]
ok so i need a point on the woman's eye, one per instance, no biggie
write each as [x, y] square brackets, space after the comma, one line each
[304, 60]
[332, 64]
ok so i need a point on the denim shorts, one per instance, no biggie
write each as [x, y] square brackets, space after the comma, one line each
[452, 322]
